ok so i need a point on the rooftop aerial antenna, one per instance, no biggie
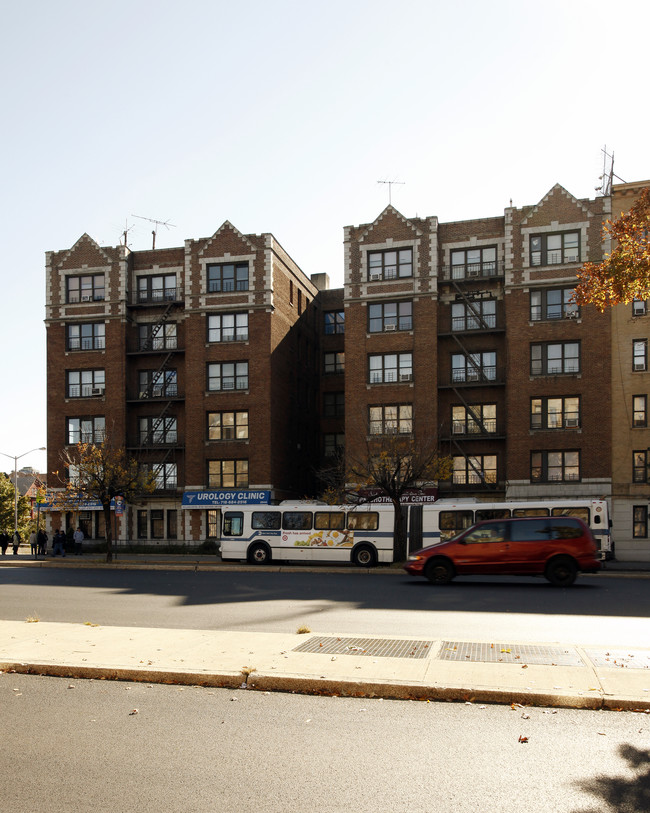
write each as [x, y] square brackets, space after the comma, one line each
[125, 233]
[156, 223]
[607, 178]
[390, 185]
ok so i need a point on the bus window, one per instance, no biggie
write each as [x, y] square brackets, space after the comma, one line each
[329, 520]
[581, 513]
[530, 512]
[296, 520]
[363, 521]
[233, 523]
[453, 522]
[266, 520]
[500, 513]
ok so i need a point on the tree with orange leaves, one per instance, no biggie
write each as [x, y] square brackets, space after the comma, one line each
[624, 274]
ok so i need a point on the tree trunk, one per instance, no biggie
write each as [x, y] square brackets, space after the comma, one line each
[108, 531]
[399, 534]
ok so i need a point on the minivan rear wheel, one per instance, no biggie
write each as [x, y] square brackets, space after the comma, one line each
[439, 571]
[561, 572]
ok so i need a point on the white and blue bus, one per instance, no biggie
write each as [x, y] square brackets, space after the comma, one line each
[363, 534]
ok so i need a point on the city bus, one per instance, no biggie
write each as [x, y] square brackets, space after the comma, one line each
[363, 534]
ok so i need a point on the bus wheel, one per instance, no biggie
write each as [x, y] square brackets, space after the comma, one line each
[439, 571]
[259, 554]
[561, 571]
[364, 556]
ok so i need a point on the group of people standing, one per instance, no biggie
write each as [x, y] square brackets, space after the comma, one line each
[38, 542]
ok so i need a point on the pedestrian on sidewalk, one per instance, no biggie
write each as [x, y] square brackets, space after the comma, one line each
[4, 542]
[16, 542]
[78, 539]
[58, 541]
[33, 544]
[41, 538]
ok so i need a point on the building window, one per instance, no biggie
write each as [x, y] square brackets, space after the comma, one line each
[228, 327]
[473, 367]
[551, 304]
[334, 363]
[392, 419]
[389, 316]
[334, 322]
[474, 470]
[165, 474]
[158, 288]
[172, 524]
[640, 466]
[157, 518]
[231, 375]
[390, 368]
[555, 467]
[474, 262]
[158, 383]
[640, 355]
[85, 383]
[227, 277]
[155, 431]
[89, 288]
[639, 307]
[86, 430]
[391, 264]
[228, 425]
[640, 521]
[640, 410]
[555, 358]
[142, 523]
[555, 249]
[157, 337]
[333, 444]
[88, 336]
[555, 413]
[333, 404]
[227, 473]
[476, 419]
[474, 315]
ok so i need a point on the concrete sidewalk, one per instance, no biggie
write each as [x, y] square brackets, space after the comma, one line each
[565, 675]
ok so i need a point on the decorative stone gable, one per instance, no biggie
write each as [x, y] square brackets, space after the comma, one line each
[557, 205]
[85, 253]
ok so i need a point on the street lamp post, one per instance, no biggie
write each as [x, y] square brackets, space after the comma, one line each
[16, 458]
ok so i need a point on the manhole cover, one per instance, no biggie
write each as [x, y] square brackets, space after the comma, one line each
[618, 658]
[509, 653]
[374, 647]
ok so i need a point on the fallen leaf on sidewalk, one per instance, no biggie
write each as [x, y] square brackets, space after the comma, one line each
[135, 711]
[523, 739]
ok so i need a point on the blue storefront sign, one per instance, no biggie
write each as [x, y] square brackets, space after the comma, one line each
[216, 499]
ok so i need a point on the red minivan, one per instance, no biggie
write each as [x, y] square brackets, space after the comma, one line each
[554, 547]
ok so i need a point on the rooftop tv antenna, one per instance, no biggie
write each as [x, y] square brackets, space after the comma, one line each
[125, 233]
[156, 223]
[607, 178]
[390, 186]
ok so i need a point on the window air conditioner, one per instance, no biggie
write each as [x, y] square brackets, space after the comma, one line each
[86, 298]
[639, 365]
[571, 422]
[375, 276]
[388, 328]
[406, 376]
[97, 391]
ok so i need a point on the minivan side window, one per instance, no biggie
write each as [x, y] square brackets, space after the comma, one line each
[530, 530]
[567, 528]
[492, 532]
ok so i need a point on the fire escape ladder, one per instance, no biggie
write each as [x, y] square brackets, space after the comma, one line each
[479, 474]
[155, 377]
[478, 421]
[471, 305]
[156, 327]
[148, 439]
[468, 356]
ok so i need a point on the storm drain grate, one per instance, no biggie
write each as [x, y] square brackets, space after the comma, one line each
[618, 658]
[374, 647]
[509, 653]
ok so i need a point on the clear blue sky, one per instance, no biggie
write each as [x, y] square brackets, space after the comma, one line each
[282, 117]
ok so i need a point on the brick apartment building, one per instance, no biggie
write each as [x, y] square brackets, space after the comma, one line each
[223, 366]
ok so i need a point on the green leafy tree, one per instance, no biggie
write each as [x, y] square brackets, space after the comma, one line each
[389, 467]
[101, 471]
[624, 274]
[7, 496]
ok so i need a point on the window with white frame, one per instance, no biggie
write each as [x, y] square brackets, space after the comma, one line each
[389, 368]
[228, 327]
[228, 375]
[474, 419]
[390, 316]
[228, 425]
[390, 419]
[555, 249]
[86, 430]
[85, 336]
[85, 383]
[555, 467]
[555, 413]
[474, 469]
[86, 288]
[227, 473]
[227, 277]
[474, 315]
[553, 303]
[555, 358]
[473, 367]
[390, 264]
[640, 355]
[639, 307]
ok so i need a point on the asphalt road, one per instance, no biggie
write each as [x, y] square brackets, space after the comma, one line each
[78, 745]
[597, 610]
